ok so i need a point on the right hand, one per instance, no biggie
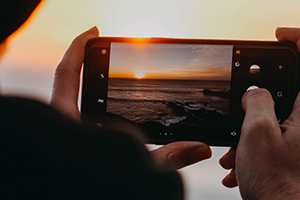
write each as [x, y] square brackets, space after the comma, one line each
[266, 163]
[268, 154]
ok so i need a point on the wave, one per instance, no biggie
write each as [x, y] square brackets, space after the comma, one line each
[192, 112]
[168, 120]
[218, 93]
[211, 92]
[187, 116]
[177, 106]
[134, 100]
[167, 113]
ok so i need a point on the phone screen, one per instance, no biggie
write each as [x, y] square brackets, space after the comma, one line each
[178, 89]
[170, 85]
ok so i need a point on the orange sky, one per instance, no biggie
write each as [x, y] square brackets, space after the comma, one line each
[170, 61]
[41, 44]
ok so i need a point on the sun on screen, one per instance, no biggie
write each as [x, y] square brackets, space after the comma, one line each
[139, 74]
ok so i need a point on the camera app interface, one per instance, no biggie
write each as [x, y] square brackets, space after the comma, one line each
[170, 85]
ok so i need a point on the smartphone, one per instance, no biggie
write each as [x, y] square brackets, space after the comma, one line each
[183, 89]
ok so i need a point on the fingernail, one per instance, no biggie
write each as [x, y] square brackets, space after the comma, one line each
[203, 152]
[253, 87]
[94, 28]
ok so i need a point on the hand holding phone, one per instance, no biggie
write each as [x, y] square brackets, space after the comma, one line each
[181, 89]
[268, 152]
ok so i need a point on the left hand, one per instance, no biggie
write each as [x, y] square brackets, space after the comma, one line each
[180, 154]
[65, 99]
[67, 76]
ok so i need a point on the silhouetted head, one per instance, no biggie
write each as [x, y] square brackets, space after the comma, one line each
[13, 13]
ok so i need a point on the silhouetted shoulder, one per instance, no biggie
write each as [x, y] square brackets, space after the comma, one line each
[45, 155]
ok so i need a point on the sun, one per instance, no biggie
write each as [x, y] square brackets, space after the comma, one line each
[139, 74]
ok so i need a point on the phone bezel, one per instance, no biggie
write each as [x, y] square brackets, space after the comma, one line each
[105, 42]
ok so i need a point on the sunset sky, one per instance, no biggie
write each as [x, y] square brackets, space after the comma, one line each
[28, 66]
[171, 61]
[34, 52]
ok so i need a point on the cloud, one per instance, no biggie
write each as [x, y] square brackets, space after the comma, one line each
[206, 62]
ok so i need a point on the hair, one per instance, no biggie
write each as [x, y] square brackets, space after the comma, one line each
[13, 13]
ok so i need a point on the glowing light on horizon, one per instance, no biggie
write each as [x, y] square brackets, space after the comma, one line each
[139, 74]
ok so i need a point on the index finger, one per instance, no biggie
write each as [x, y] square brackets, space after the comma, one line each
[67, 75]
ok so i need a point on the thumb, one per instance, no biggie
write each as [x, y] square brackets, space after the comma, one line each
[180, 154]
[260, 122]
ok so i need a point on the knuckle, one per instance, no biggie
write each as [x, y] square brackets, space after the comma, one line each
[261, 125]
[264, 123]
[82, 39]
[171, 157]
[61, 69]
[77, 41]
[178, 160]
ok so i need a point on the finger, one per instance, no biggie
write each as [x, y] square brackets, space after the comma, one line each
[260, 122]
[294, 117]
[67, 75]
[227, 161]
[289, 34]
[292, 35]
[180, 154]
[230, 179]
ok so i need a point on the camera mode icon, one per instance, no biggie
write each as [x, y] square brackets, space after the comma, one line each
[280, 67]
[100, 101]
[99, 124]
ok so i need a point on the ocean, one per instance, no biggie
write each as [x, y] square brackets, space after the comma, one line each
[167, 102]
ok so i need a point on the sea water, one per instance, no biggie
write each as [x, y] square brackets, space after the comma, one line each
[164, 101]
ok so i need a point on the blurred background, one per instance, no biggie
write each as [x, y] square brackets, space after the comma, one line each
[33, 53]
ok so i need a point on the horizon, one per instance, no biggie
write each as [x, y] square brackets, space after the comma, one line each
[170, 79]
